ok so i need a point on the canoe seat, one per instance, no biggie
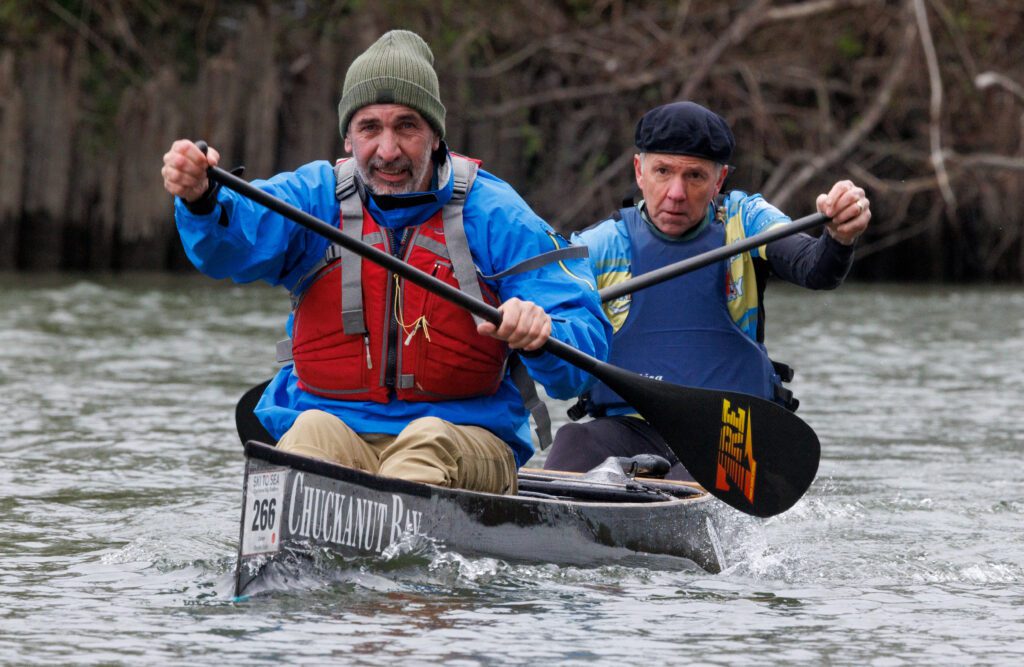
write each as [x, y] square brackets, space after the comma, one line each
[250, 428]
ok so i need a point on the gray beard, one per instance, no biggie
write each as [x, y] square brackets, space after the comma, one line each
[419, 174]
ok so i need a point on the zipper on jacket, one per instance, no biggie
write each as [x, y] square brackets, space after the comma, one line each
[391, 358]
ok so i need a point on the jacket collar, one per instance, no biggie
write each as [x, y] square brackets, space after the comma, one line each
[414, 208]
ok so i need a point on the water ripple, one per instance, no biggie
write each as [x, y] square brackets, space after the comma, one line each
[121, 477]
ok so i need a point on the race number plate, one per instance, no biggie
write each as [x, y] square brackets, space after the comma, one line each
[264, 496]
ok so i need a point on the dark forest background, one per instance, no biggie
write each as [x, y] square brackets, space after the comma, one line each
[919, 101]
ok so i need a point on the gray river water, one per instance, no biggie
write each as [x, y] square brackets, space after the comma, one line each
[121, 475]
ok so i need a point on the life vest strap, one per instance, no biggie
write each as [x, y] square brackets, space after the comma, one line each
[577, 411]
[785, 371]
[463, 175]
[284, 351]
[537, 261]
[432, 245]
[351, 264]
[528, 390]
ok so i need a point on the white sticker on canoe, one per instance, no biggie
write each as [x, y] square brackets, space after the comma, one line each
[262, 520]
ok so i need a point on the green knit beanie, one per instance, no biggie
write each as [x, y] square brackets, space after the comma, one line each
[397, 69]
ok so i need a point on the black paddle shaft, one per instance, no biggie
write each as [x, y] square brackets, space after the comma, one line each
[391, 263]
[745, 450]
[657, 276]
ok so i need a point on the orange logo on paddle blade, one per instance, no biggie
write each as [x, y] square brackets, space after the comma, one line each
[736, 464]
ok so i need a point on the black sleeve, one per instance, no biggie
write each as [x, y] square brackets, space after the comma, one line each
[815, 263]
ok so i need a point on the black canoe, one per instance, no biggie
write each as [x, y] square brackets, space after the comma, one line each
[295, 504]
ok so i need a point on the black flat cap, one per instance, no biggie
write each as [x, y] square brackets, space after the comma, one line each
[685, 128]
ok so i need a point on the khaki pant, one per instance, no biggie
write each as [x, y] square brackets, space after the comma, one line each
[428, 450]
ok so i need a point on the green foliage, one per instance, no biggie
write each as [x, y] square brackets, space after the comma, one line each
[18, 22]
[969, 20]
[593, 166]
[850, 45]
[581, 10]
[533, 141]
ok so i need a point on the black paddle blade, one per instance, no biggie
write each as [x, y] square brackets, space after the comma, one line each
[749, 452]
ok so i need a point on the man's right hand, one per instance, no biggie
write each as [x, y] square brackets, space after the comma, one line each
[850, 210]
[185, 167]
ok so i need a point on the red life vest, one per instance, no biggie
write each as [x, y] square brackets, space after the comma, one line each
[360, 333]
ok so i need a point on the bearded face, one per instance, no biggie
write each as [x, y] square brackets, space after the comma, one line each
[392, 145]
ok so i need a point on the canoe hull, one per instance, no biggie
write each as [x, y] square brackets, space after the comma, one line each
[291, 503]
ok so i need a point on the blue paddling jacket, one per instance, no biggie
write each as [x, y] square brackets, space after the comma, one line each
[244, 241]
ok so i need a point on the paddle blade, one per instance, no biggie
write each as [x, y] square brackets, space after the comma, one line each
[749, 452]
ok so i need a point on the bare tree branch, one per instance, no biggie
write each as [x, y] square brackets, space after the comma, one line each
[806, 10]
[989, 79]
[900, 235]
[871, 117]
[586, 195]
[935, 105]
[743, 26]
[94, 39]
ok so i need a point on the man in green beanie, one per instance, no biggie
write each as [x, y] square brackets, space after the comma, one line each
[380, 374]
[393, 81]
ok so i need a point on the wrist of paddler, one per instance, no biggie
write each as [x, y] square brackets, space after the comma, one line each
[206, 202]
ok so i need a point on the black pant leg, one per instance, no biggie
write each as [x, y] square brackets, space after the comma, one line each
[582, 447]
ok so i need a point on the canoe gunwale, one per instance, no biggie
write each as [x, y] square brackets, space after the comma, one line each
[690, 492]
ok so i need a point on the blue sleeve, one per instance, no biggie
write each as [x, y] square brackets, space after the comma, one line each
[608, 244]
[801, 259]
[757, 214]
[245, 241]
[566, 290]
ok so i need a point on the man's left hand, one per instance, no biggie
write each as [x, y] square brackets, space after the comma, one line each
[524, 325]
[849, 209]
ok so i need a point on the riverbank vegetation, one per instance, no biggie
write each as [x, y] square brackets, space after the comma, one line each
[920, 101]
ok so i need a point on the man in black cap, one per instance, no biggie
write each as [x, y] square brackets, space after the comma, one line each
[705, 328]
